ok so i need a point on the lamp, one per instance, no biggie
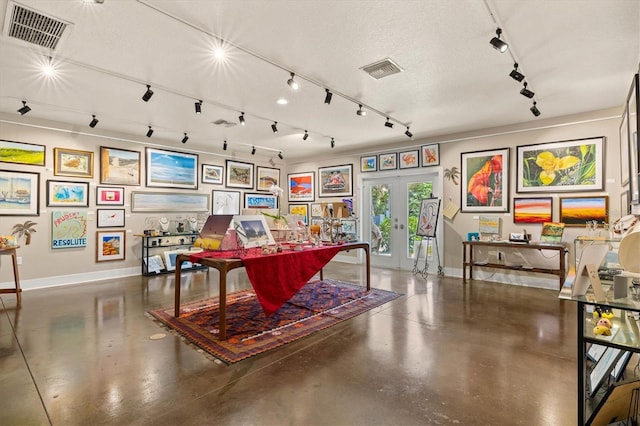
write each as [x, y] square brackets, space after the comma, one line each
[253, 151]
[360, 111]
[388, 123]
[280, 156]
[408, 133]
[198, 106]
[534, 109]
[224, 146]
[526, 92]
[148, 94]
[333, 143]
[327, 97]
[149, 132]
[306, 136]
[241, 118]
[292, 83]
[185, 139]
[25, 108]
[515, 74]
[94, 122]
[274, 127]
[497, 43]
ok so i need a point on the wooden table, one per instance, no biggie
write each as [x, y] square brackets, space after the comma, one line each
[224, 265]
[468, 262]
[12, 251]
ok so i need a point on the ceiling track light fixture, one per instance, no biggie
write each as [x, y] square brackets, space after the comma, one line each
[198, 106]
[497, 43]
[388, 123]
[280, 156]
[306, 136]
[534, 109]
[274, 127]
[186, 138]
[526, 92]
[273, 163]
[149, 132]
[94, 121]
[328, 96]
[24, 109]
[361, 112]
[408, 133]
[515, 74]
[333, 143]
[253, 151]
[241, 119]
[224, 146]
[148, 94]
[292, 83]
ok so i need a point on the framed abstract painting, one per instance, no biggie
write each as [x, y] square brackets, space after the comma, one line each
[532, 210]
[485, 181]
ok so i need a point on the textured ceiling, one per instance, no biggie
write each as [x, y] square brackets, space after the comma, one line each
[577, 55]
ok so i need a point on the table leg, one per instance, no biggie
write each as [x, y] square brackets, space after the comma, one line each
[368, 263]
[223, 304]
[562, 267]
[177, 286]
[464, 263]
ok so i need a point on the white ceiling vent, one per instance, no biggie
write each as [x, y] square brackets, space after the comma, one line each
[383, 68]
[224, 123]
[33, 27]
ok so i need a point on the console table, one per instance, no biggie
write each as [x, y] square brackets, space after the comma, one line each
[12, 251]
[469, 262]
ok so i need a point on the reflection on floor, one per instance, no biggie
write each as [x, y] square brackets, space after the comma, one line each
[444, 353]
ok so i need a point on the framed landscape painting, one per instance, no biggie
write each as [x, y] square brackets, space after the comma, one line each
[67, 194]
[119, 166]
[577, 211]
[335, 181]
[485, 181]
[171, 169]
[239, 175]
[301, 186]
[532, 210]
[565, 166]
[110, 245]
[20, 193]
[266, 177]
[71, 162]
[22, 153]
[212, 174]
[142, 201]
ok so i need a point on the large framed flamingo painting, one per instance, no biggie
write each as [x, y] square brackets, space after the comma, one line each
[485, 177]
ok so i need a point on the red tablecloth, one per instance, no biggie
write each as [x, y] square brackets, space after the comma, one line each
[277, 277]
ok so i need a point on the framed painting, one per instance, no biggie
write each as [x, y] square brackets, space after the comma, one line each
[349, 227]
[388, 161]
[171, 169]
[260, 201]
[565, 166]
[634, 148]
[335, 181]
[624, 148]
[110, 218]
[267, 177]
[110, 196]
[316, 210]
[301, 186]
[119, 166]
[532, 210]
[253, 230]
[225, 202]
[170, 260]
[67, 194]
[409, 159]
[71, 162]
[625, 207]
[212, 174]
[20, 193]
[577, 211]
[110, 245]
[485, 178]
[22, 153]
[428, 219]
[430, 155]
[68, 229]
[301, 210]
[239, 175]
[142, 201]
[369, 163]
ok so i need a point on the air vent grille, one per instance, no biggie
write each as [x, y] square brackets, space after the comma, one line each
[33, 27]
[383, 68]
[224, 123]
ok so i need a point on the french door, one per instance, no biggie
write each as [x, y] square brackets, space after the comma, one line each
[391, 207]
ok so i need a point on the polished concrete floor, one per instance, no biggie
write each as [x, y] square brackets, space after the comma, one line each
[443, 353]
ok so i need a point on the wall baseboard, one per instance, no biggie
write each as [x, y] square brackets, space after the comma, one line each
[62, 280]
[520, 279]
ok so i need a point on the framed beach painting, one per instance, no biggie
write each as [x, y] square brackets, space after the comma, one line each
[388, 161]
[171, 169]
[72, 162]
[430, 155]
[267, 177]
[301, 186]
[577, 211]
[225, 202]
[142, 201]
[239, 175]
[335, 181]
[110, 218]
[532, 210]
[260, 201]
[119, 166]
[22, 153]
[565, 166]
[20, 193]
[110, 196]
[409, 159]
[485, 181]
[369, 163]
[212, 174]
[110, 245]
[67, 194]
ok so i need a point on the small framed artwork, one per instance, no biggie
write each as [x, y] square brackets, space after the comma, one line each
[316, 210]
[430, 155]
[260, 201]
[301, 210]
[485, 181]
[20, 192]
[119, 166]
[171, 169]
[409, 159]
[67, 194]
[71, 162]
[577, 211]
[68, 229]
[301, 186]
[349, 227]
[388, 161]
[266, 178]
[369, 163]
[110, 218]
[532, 210]
[110, 245]
[335, 181]
[110, 196]
[212, 174]
[170, 260]
[624, 148]
[225, 202]
[239, 175]
[253, 230]
[22, 153]
[625, 207]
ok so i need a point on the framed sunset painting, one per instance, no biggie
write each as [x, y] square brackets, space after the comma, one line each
[532, 210]
[577, 211]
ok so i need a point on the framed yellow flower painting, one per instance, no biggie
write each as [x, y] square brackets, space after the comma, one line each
[565, 166]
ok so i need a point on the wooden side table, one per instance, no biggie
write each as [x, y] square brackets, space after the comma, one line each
[12, 251]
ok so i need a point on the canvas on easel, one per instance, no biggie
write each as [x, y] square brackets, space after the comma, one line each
[428, 219]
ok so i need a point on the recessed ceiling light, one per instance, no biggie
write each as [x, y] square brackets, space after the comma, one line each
[282, 101]
[219, 53]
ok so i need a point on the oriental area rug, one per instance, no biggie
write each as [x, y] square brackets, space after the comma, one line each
[317, 306]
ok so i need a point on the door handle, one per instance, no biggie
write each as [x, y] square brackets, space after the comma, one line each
[401, 226]
[395, 226]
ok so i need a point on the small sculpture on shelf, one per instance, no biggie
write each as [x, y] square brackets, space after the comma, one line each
[193, 224]
[164, 224]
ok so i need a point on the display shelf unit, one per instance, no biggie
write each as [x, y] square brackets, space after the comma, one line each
[158, 244]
